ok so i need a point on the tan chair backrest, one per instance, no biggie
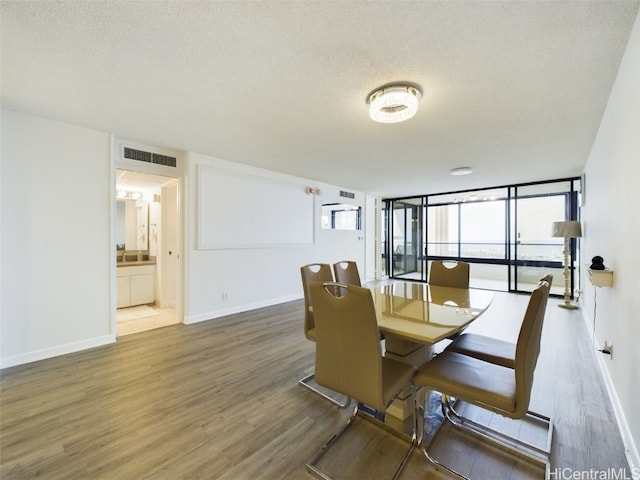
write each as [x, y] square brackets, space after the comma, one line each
[528, 345]
[347, 272]
[348, 352]
[456, 276]
[547, 278]
[312, 273]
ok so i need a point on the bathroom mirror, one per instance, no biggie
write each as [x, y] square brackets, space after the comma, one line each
[132, 224]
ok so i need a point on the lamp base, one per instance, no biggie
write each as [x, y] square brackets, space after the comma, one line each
[568, 306]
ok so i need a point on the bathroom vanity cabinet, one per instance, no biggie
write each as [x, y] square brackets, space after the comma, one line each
[135, 285]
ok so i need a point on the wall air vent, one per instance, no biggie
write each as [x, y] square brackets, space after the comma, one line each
[149, 157]
[164, 160]
[347, 194]
[138, 155]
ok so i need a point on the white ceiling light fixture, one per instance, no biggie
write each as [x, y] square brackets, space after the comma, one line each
[461, 171]
[394, 104]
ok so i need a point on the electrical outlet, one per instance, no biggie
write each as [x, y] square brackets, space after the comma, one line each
[224, 296]
[607, 349]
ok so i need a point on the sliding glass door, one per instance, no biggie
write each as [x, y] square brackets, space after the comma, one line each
[406, 249]
[505, 233]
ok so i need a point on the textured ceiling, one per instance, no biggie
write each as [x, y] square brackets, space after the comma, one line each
[515, 90]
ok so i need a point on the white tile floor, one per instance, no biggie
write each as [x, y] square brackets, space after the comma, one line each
[167, 316]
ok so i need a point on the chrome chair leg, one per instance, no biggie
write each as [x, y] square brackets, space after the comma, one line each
[424, 447]
[501, 437]
[311, 464]
[311, 376]
[414, 439]
[440, 466]
[498, 438]
[314, 469]
[450, 415]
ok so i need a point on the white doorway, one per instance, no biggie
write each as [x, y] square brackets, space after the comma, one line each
[147, 251]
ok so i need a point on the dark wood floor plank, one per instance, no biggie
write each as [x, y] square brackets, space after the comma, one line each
[220, 399]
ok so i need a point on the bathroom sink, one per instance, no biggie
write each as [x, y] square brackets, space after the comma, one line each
[133, 263]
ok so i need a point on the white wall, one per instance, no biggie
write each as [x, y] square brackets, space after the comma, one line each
[255, 277]
[56, 239]
[611, 215]
[56, 258]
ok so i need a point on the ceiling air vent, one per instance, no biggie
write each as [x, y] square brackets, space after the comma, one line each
[347, 194]
[142, 156]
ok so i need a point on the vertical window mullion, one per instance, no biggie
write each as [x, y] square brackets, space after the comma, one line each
[459, 229]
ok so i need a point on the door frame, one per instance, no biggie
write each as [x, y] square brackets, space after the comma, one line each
[119, 162]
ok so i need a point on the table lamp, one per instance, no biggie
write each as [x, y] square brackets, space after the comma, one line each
[567, 229]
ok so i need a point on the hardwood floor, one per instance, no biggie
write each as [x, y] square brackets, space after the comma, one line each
[220, 399]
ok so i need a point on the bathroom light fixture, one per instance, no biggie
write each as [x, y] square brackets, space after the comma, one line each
[125, 194]
[461, 171]
[393, 104]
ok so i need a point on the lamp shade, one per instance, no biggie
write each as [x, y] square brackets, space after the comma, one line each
[566, 229]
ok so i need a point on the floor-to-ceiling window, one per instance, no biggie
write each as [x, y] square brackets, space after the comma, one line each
[504, 232]
[471, 226]
[534, 251]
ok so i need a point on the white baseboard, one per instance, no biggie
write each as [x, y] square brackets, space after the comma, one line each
[202, 317]
[56, 351]
[630, 447]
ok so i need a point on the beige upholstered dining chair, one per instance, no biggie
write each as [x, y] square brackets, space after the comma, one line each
[490, 386]
[487, 348]
[456, 275]
[312, 273]
[349, 357]
[347, 272]
[449, 274]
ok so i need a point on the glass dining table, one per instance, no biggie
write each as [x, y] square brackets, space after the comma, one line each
[424, 313]
[414, 316]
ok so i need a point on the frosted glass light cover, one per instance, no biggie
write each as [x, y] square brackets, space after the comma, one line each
[394, 104]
